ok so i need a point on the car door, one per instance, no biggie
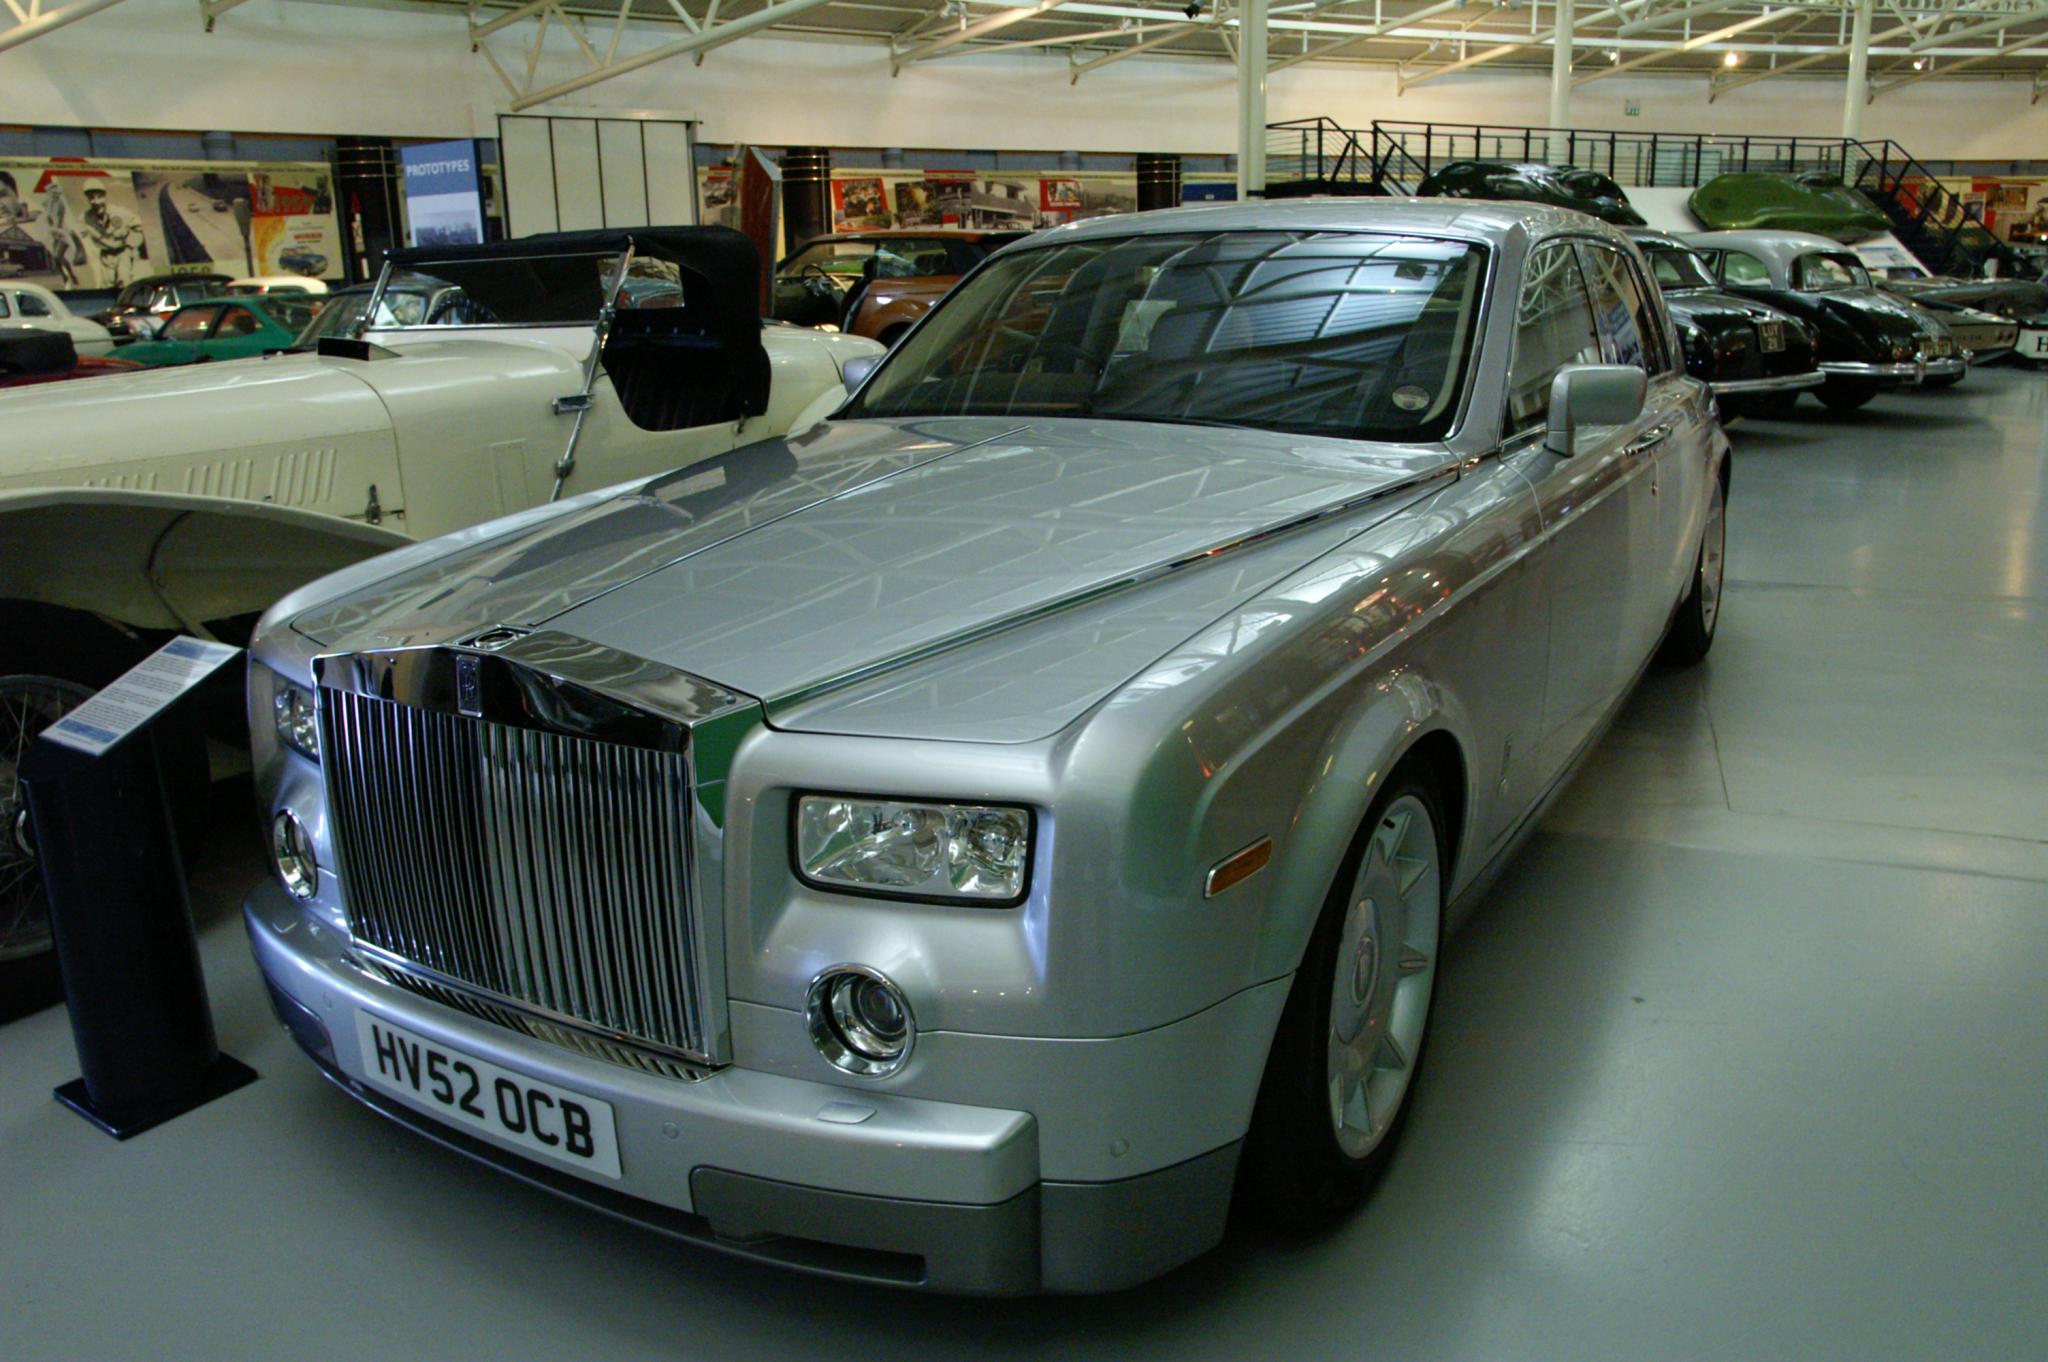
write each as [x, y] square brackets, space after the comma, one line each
[184, 336]
[1634, 331]
[1587, 501]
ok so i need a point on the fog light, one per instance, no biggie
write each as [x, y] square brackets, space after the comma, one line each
[859, 1020]
[292, 849]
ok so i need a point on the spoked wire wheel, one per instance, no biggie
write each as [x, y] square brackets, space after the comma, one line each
[28, 705]
[1385, 971]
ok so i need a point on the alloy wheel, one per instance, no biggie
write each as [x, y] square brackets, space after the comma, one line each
[1385, 971]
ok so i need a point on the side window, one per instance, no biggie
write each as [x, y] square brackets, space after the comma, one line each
[32, 306]
[1631, 330]
[239, 321]
[1737, 268]
[1554, 327]
[190, 324]
[3, 306]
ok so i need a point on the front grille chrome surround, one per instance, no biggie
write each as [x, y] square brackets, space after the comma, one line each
[511, 827]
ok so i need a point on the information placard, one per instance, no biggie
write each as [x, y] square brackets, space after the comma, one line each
[144, 691]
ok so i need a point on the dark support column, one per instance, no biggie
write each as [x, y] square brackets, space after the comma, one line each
[1158, 181]
[806, 192]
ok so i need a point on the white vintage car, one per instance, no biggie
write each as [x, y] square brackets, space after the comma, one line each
[31, 307]
[190, 499]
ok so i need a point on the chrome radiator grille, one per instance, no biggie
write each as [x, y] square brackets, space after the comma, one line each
[546, 870]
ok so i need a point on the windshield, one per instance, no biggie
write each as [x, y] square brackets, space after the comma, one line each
[893, 257]
[1677, 269]
[1818, 273]
[341, 312]
[1359, 335]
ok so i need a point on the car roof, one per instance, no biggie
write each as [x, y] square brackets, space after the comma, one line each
[1779, 248]
[1472, 219]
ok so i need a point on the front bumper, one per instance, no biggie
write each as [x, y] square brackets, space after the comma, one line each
[913, 1192]
[1902, 372]
[1950, 367]
[1779, 383]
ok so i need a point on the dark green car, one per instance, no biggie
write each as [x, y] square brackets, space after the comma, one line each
[227, 328]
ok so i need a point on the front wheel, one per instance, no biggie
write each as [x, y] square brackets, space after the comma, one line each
[1350, 1041]
[28, 964]
[1945, 381]
[1692, 628]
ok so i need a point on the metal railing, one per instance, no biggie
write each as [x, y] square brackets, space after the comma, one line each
[1318, 155]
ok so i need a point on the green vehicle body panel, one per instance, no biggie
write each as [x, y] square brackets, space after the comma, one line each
[1772, 201]
[275, 330]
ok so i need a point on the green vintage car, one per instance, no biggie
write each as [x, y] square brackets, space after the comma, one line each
[227, 328]
[1811, 201]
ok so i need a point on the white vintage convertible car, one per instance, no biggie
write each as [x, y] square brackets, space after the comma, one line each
[187, 499]
[190, 499]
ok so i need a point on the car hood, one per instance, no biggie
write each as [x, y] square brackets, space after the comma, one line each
[864, 546]
[1891, 315]
[54, 430]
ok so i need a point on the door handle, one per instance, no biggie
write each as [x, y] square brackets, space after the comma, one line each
[1651, 438]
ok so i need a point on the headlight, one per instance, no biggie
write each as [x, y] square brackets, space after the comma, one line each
[298, 723]
[1902, 351]
[974, 852]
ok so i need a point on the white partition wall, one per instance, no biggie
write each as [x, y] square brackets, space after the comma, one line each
[568, 174]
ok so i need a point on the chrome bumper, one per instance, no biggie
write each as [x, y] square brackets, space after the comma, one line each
[1906, 371]
[1946, 368]
[1783, 383]
[849, 1181]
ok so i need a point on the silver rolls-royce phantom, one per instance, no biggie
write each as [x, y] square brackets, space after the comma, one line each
[973, 841]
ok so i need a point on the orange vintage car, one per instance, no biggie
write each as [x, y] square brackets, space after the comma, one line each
[876, 284]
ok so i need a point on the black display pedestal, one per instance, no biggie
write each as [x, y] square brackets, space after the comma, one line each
[118, 906]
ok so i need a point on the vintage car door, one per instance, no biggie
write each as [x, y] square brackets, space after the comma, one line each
[237, 335]
[1633, 331]
[1590, 501]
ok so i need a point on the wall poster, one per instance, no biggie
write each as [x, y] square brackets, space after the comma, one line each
[444, 202]
[72, 224]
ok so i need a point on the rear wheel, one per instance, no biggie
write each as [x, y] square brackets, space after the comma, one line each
[1844, 395]
[1692, 628]
[1350, 1042]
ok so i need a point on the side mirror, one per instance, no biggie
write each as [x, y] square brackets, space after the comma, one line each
[856, 370]
[1585, 395]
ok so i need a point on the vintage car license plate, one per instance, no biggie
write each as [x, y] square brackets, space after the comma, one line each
[1771, 336]
[508, 1107]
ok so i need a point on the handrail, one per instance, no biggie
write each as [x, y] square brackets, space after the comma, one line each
[1396, 155]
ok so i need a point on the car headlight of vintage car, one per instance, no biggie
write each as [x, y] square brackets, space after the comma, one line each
[973, 853]
[1902, 351]
[298, 721]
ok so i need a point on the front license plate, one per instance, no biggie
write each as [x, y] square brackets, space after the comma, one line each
[508, 1107]
[1771, 336]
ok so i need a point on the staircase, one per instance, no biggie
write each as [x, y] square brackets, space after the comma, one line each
[1319, 156]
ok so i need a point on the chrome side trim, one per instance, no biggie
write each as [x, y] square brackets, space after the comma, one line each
[1844, 368]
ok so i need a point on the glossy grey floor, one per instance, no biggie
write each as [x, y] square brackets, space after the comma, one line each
[1746, 1058]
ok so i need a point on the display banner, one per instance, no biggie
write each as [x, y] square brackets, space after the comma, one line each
[444, 202]
[72, 224]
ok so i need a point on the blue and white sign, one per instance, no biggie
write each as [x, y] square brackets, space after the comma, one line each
[444, 203]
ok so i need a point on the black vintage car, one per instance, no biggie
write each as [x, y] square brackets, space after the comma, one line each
[1533, 182]
[1868, 341]
[1748, 352]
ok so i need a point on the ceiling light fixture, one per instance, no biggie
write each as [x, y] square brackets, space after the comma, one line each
[1731, 59]
[1613, 54]
[1919, 63]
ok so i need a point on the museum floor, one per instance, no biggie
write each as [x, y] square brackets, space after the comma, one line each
[1747, 1056]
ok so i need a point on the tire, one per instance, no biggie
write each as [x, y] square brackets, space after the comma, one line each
[1946, 381]
[1838, 395]
[1316, 1144]
[28, 964]
[1692, 629]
